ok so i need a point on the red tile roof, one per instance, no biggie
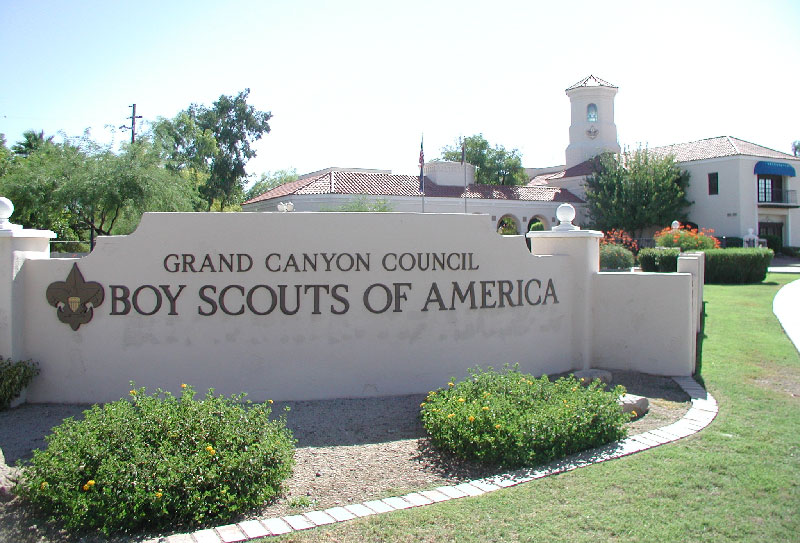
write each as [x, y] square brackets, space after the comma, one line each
[387, 184]
[717, 147]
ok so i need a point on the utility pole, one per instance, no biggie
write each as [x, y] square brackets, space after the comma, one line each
[132, 127]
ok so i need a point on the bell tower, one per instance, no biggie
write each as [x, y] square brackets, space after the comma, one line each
[592, 129]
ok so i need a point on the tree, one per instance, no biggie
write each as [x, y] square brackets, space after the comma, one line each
[632, 191]
[5, 155]
[214, 143]
[31, 141]
[80, 189]
[494, 165]
[270, 180]
[796, 148]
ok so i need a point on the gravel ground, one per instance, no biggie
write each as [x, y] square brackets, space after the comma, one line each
[348, 451]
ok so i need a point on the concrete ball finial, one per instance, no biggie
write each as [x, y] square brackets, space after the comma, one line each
[6, 209]
[565, 214]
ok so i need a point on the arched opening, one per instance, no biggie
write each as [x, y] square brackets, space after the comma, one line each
[591, 113]
[508, 225]
[537, 224]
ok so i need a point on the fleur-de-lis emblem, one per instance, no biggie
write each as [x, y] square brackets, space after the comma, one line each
[75, 298]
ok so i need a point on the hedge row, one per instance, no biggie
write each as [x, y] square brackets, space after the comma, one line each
[737, 265]
[722, 265]
[659, 260]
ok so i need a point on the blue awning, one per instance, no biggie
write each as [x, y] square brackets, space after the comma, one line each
[774, 168]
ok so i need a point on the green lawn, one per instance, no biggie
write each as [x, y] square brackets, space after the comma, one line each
[737, 480]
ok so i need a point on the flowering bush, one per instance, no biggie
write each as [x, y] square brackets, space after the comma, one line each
[159, 460]
[619, 237]
[687, 239]
[512, 418]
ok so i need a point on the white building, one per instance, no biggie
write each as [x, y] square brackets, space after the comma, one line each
[449, 188]
[735, 185]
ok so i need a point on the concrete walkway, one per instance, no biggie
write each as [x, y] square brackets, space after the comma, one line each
[786, 307]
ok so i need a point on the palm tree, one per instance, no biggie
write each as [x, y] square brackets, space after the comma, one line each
[796, 148]
[31, 141]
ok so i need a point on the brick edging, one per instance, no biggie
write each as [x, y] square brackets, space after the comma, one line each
[704, 409]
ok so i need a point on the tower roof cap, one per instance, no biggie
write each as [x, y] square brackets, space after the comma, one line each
[592, 81]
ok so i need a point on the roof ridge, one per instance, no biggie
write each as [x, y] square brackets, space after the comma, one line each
[733, 144]
[299, 184]
[585, 83]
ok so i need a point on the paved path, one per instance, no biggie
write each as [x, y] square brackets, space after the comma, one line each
[786, 307]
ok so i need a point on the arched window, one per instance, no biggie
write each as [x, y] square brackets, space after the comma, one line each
[591, 113]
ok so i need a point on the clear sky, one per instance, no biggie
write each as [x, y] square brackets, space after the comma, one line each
[356, 83]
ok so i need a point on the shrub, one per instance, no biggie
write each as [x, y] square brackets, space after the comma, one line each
[791, 251]
[14, 377]
[615, 257]
[737, 266]
[659, 260]
[159, 460]
[512, 418]
[536, 226]
[687, 239]
[773, 242]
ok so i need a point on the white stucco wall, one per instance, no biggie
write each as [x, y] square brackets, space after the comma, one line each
[641, 321]
[187, 299]
[491, 209]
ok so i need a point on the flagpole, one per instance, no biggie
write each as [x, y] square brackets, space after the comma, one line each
[421, 172]
[464, 164]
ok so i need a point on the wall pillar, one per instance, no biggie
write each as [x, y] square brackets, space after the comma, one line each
[582, 247]
[16, 245]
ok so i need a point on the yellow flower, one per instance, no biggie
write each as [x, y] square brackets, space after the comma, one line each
[451, 415]
[133, 393]
[497, 426]
[422, 404]
[633, 413]
[211, 450]
[486, 394]
[485, 408]
[43, 485]
[574, 389]
[89, 484]
[461, 400]
[471, 418]
[451, 384]
[159, 494]
[270, 402]
[183, 385]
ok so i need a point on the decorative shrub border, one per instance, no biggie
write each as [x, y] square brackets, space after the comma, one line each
[703, 411]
